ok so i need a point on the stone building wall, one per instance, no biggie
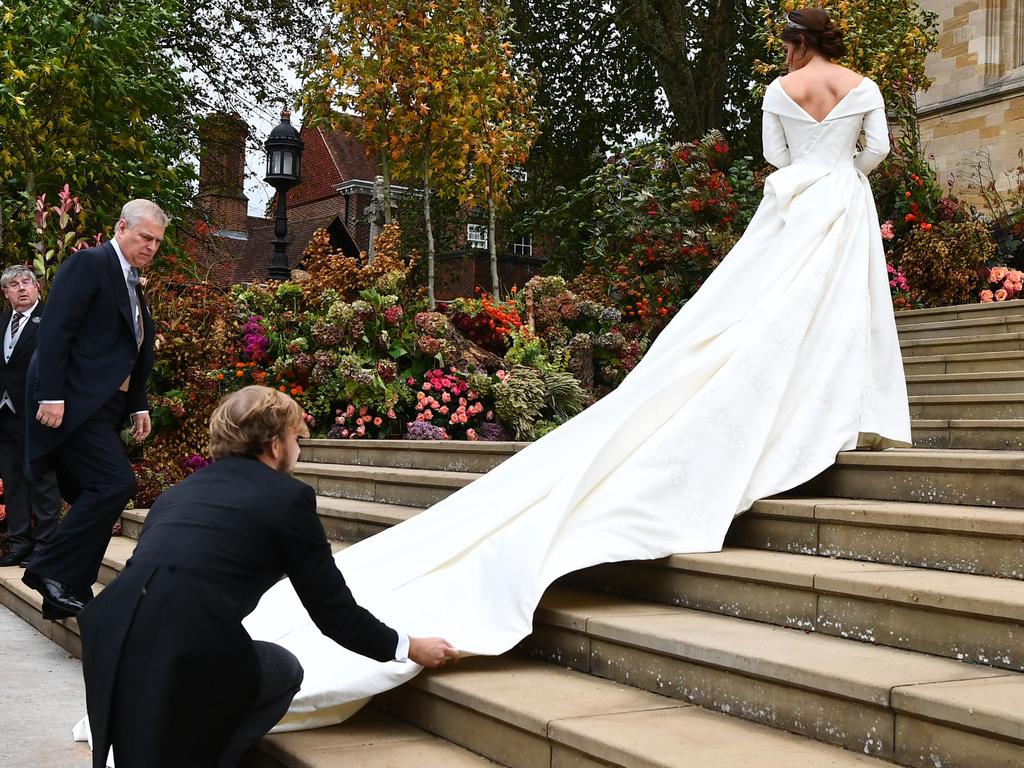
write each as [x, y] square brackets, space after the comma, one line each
[977, 99]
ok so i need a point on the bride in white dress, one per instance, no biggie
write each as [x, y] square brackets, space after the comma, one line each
[787, 355]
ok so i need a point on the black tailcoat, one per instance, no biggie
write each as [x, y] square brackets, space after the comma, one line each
[86, 348]
[14, 372]
[163, 645]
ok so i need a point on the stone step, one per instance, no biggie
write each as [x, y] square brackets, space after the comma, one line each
[369, 739]
[969, 362]
[974, 434]
[987, 541]
[974, 478]
[959, 345]
[966, 617]
[967, 407]
[526, 714]
[446, 455]
[958, 312]
[871, 699]
[991, 383]
[391, 485]
[981, 326]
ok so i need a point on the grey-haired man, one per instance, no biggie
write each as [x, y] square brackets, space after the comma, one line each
[25, 499]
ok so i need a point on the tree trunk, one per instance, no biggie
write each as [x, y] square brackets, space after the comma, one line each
[385, 171]
[690, 45]
[426, 220]
[492, 245]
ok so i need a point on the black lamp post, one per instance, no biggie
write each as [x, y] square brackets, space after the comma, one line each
[284, 153]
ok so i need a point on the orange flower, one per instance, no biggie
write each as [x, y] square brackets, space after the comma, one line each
[283, 388]
[239, 374]
[220, 377]
[986, 297]
[926, 227]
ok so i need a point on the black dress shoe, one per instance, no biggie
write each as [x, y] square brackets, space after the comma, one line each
[15, 558]
[59, 601]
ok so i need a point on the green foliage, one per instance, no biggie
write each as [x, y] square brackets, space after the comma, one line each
[89, 97]
[519, 399]
[565, 396]
[649, 226]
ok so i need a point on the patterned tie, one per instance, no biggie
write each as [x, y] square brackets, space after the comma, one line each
[16, 324]
[133, 296]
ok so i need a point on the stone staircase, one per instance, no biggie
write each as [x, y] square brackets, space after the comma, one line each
[873, 617]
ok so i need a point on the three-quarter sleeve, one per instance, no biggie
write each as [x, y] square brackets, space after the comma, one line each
[322, 589]
[876, 141]
[776, 150]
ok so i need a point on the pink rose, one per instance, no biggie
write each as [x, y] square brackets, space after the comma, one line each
[391, 414]
[997, 274]
[427, 386]
[1001, 294]
[490, 415]
[471, 435]
[361, 430]
[378, 421]
[446, 397]
[411, 381]
[443, 410]
[428, 415]
[888, 232]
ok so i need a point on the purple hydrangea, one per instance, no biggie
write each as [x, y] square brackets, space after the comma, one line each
[424, 430]
[492, 432]
[194, 462]
[255, 338]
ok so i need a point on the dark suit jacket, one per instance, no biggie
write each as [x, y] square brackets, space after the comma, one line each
[164, 653]
[86, 348]
[14, 372]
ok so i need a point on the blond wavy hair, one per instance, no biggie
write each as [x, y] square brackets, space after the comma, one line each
[245, 422]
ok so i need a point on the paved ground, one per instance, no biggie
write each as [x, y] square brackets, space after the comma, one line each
[43, 697]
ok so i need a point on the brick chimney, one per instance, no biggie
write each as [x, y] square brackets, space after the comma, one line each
[222, 171]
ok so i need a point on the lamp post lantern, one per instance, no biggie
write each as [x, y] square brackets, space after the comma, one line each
[284, 155]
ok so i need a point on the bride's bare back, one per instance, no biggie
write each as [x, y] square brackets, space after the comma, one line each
[819, 86]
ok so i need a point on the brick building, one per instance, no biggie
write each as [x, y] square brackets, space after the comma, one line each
[977, 99]
[335, 192]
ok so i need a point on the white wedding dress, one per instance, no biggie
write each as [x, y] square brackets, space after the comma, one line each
[787, 355]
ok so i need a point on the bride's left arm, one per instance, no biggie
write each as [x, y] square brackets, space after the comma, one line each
[773, 139]
[876, 141]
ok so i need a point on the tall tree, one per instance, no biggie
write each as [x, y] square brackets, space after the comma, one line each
[88, 97]
[501, 122]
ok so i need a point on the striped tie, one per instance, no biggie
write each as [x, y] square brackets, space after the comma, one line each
[133, 295]
[16, 324]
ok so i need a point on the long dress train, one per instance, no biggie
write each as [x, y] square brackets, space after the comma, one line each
[787, 355]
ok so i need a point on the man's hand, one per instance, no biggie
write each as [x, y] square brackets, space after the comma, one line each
[50, 414]
[431, 651]
[141, 426]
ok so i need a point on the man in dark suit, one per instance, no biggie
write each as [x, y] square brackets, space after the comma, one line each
[93, 357]
[172, 678]
[23, 498]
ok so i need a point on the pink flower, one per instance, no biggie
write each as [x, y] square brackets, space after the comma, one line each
[411, 381]
[471, 435]
[427, 414]
[350, 411]
[888, 232]
[446, 397]
[462, 402]
[391, 414]
[378, 421]
[427, 386]
[420, 396]
[344, 433]
[443, 410]
[998, 274]
[361, 430]
[1001, 294]
[490, 415]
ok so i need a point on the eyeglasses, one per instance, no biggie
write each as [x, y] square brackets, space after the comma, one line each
[23, 283]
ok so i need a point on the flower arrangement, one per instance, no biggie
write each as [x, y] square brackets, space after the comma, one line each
[1002, 284]
[445, 399]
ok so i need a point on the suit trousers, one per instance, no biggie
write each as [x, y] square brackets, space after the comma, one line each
[24, 498]
[96, 478]
[280, 679]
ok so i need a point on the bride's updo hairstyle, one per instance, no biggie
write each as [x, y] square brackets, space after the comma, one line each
[813, 28]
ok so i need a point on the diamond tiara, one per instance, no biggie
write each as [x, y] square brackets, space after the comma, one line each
[793, 25]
